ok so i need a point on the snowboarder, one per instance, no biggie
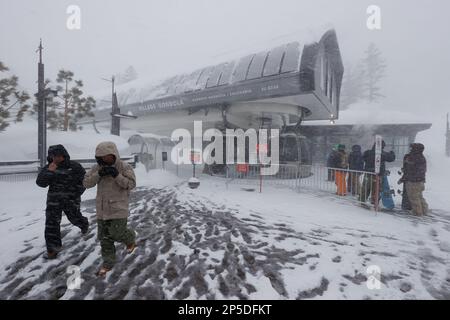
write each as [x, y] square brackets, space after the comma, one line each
[64, 178]
[355, 163]
[114, 179]
[341, 163]
[415, 168]
[332, 159]
[370, 180]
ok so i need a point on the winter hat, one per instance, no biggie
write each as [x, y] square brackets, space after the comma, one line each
[356, 148]
[57, 150]
[417, 147]
[341, 147]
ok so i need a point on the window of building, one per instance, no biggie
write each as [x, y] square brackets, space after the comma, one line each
[335, 101]
[398, 144]
[325, 77]
[331, 91]
[323, 72]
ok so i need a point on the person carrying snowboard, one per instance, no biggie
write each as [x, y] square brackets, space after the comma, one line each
[114, 179]
[415, 168]
[64, 178]
[370, 182]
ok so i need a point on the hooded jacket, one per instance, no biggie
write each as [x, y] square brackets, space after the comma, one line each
[334, 159]
[342, 160]
[369, 159]
[66, 182]
[415, 164]
[355, 159]
[112, 193]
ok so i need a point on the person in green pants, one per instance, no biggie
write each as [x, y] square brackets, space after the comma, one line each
[114, 180]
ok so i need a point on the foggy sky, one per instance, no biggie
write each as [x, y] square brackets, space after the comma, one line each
[165, 37]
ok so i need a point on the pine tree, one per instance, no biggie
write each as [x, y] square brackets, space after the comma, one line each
[374, 66]
[64, 115]
[352, 85]
[12, 100]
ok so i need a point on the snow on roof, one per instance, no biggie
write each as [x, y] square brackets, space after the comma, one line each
[372, 113]
[221, 69]
[151, 136]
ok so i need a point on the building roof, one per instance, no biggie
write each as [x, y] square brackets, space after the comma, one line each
[288, 70]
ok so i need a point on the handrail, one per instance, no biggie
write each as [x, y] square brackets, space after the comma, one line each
[26, 162]
[12, 169]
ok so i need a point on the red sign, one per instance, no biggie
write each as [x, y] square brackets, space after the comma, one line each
[242, 167]
[195, 157]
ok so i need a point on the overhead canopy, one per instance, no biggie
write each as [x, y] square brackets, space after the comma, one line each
[306, 76]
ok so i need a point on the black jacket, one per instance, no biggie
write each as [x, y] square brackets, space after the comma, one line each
[66, 182]
[334, 159]
[415, 164]
[355, 159]
[369, 160]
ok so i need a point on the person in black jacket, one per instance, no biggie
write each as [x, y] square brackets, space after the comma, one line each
[414, 173]
[369, 182]
[332, 163]
[65, 181]
[355, 163]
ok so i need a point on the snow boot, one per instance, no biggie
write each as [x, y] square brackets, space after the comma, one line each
[85, 230]
[131, 248]
[103, 271]
[50, 255]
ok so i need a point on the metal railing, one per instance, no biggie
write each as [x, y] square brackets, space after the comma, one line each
[250, 175]
[352, 185]
[23, 170]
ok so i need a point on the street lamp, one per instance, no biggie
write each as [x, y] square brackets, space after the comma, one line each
[43, 96]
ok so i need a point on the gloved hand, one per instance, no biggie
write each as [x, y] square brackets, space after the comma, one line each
[108, 171]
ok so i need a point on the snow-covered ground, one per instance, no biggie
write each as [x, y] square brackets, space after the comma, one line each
[216, 242]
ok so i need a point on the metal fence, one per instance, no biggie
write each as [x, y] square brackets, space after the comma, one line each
[250, 175]
[352, 185]
[23, 170]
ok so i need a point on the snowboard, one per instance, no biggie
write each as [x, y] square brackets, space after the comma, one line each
[386, 194]
[405, 201]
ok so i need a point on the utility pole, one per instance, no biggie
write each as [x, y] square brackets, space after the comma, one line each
[66, 108]
[447, 140]
[42, 112]
[115, 121]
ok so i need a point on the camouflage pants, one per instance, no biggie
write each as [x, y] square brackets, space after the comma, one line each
[110, 231]
[414, 190]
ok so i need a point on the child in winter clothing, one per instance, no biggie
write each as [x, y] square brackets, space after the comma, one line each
[114, 179]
